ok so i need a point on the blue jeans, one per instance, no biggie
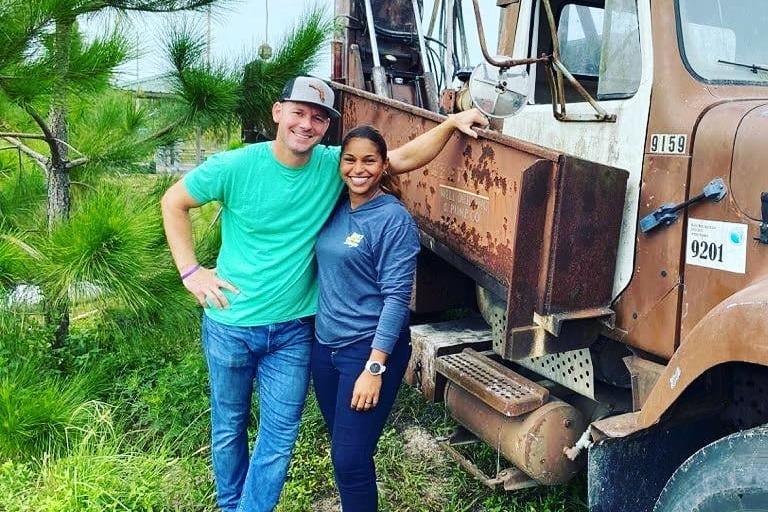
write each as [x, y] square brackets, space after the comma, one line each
[355, 434]
[278, 356]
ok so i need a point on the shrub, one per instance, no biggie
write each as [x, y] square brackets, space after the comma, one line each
[101, 473]
[39, 413]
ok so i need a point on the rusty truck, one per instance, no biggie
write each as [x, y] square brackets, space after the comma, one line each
[612, 235]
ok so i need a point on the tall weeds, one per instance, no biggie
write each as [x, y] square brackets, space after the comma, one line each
[40, 413]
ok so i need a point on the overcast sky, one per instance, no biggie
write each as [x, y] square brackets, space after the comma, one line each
[240, 27]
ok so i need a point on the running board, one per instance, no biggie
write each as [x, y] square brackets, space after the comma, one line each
[505, 391]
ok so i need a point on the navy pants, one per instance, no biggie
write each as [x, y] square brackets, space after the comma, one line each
[354, 434]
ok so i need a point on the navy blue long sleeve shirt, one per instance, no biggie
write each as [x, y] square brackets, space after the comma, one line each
[366, 262]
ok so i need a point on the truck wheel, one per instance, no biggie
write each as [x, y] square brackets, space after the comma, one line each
[726, 476]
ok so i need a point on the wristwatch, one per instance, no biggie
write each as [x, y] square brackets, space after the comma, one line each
[375, 367]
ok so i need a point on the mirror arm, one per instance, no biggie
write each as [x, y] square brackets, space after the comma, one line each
[559, 114]
[555, 54]
[602, 114]
[557, 73]
[499, 63]
[562, 72]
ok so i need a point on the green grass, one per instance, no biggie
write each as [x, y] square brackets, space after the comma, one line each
[41, 415]
[102, 473]
[413, 477]
[119, 420]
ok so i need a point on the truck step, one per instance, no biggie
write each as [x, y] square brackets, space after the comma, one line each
[507, 392]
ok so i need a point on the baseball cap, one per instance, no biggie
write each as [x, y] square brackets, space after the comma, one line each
[308, 89]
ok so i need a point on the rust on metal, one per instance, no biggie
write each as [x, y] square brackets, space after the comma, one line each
[510, 479]
[705, 287]
[430, 341]
[651, 309]
[589, 202]
[553, 323]
[534, 442]
[644, 375]
[507, 28]
[506, 391]
[647, 311]
[734, 330]
[620, 425]
[448, 101]
[530, 218]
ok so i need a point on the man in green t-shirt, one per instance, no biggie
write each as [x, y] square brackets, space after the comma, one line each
[260, 298]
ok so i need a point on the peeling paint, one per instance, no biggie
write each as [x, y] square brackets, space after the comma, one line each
[675, 377]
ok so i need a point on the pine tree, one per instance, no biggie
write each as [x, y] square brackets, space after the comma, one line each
[58, 110]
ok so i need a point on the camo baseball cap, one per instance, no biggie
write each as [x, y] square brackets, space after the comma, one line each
[308, 89]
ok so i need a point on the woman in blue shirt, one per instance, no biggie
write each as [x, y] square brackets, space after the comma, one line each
[366, 256]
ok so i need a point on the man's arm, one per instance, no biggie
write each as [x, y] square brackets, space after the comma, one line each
[421, 150]
[201, 282]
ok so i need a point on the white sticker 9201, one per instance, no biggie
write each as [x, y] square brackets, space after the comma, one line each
[718, 245]
[669, 143]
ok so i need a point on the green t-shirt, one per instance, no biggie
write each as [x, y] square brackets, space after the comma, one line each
[271, 215]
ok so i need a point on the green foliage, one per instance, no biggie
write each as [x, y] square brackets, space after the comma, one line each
[22, 194]
[90, 63]
[208, 94]
[297, 54]
[38, 416]
[113, 129]
[24, 343]
[89, 66]
[17, 259]
[104, 249]
[20, 23]
[174, 406]
[309, 475]
[101, 473]
[149, 451]
[16, 480]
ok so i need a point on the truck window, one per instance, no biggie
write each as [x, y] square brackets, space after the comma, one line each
[599, 44]
[580, 32]
[724, 41]
[620, 58]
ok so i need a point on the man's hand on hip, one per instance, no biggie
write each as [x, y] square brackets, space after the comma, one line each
[206, 288]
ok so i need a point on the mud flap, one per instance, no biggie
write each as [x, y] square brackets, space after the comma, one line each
[628, 474]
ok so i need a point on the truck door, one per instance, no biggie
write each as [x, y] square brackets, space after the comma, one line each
[606, 45]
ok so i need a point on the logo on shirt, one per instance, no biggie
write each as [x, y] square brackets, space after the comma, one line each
[353, 240]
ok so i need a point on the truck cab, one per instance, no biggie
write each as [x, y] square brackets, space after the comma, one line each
[613, 234]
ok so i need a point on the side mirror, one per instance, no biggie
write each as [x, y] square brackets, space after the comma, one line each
[499, 92]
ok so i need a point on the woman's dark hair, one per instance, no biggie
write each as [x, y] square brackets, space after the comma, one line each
[388, 184]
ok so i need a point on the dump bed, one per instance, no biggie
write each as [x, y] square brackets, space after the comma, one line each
[536, 227]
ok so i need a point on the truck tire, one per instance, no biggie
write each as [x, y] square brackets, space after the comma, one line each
[725, 476]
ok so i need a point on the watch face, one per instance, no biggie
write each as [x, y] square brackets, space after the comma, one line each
[374, 368]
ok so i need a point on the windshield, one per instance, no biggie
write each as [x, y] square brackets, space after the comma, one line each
[725, 40]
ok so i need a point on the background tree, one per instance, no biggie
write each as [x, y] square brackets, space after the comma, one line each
[96, 238]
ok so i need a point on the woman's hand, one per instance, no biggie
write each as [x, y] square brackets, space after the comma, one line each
[365, 396]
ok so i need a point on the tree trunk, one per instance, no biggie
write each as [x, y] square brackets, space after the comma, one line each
[58, 196]
[58, 175]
